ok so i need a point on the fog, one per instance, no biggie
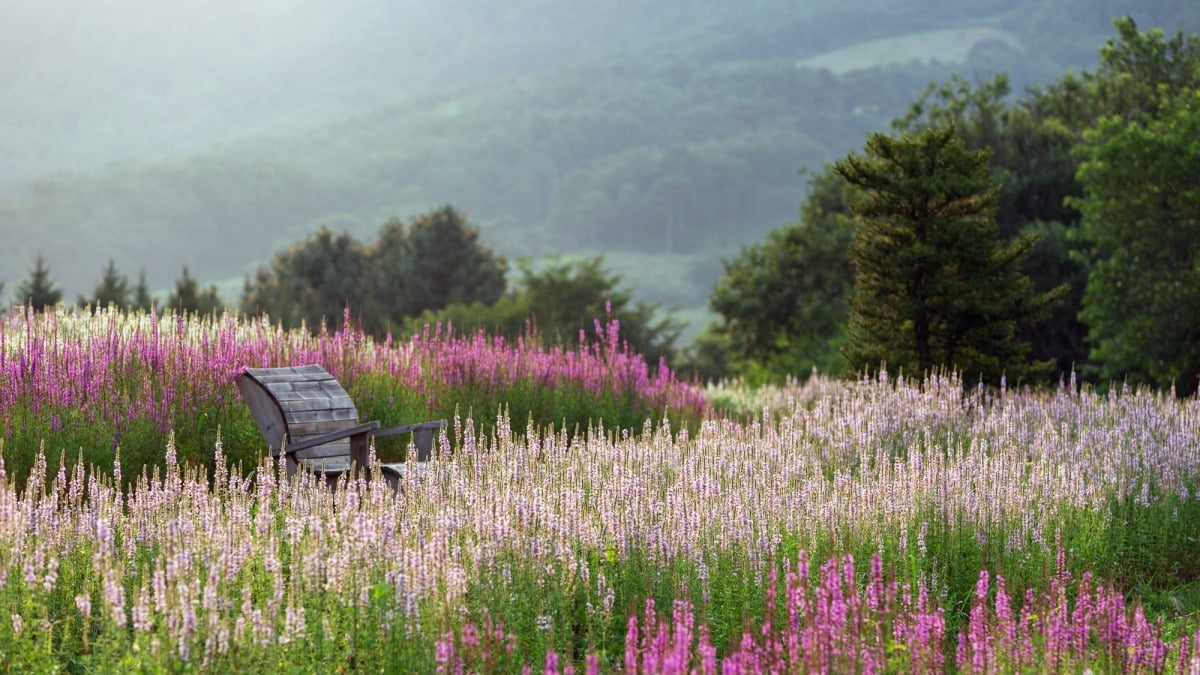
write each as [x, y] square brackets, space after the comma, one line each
[214, 133]
[87, 83]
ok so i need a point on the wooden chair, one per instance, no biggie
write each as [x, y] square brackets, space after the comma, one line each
[303, 412]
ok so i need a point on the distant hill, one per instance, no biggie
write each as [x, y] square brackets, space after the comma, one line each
[668, 128]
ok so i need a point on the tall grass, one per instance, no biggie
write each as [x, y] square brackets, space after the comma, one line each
[92, 383]
[535, 546]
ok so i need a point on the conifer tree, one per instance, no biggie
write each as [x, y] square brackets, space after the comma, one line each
[189, 297]
[141, 293]
[934, 287]
[437, 259]
[113, 289]
[38, 290]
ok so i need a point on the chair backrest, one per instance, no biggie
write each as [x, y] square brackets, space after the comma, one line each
[298, 402]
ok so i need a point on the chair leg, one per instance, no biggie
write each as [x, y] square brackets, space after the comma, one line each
[359, 446]
[423, 439]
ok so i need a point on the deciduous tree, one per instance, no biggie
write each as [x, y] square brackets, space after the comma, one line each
[312, 281]
[1141, 222]
[783, 302]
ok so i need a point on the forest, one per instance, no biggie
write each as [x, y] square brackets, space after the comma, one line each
[666, 150]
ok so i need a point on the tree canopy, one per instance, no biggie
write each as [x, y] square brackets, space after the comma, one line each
[433, 260]
[935, 288]
[783, 302]
[1141, 224]
[311, 281]
[1035, 145]
[560, 300]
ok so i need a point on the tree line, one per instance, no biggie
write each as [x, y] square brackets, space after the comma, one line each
[39, 291]
[432, 269]
[999, 236]
[1028, 237]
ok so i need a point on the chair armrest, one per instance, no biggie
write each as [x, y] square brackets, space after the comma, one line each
[408, 428]
[365, 427]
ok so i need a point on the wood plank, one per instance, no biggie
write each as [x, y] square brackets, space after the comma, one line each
[274, 377]
[285, 383]
[337, 415]
[335, 449]
[330, 464]
[316, 428]
[301, 405]
[302, 395]
[303, 385]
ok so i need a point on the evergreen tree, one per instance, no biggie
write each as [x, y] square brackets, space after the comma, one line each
[435, 260]
[113, 289]
[189, 297]
[934, 286]
[1034, 170]
[141, 293]
[312, 281]
[38, 290]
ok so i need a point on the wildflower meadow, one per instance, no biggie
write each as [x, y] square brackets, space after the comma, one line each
[584, 512]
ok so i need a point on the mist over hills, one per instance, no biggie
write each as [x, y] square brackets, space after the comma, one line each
[214, 134]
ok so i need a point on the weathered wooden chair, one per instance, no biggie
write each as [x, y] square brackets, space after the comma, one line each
[303, 412]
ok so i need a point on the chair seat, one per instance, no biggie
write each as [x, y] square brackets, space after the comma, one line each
[332, 468]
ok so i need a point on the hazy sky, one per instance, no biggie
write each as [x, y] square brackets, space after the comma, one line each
[84, 82]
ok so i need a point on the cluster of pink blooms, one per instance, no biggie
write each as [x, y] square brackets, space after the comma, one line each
[829, 624]
[110, 368]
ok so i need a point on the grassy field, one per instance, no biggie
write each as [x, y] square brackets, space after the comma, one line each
[950, 45]
[882, 525]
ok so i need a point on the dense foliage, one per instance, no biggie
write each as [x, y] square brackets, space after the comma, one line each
[1036, 144]
[1141, 221]
[434, 260]
[782, 302]
[562, 300]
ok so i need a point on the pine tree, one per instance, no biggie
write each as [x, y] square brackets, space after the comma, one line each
[438, 259]
[38, 290]
[188, 297]
[934, 286]
[141, 293]
[113, 289]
